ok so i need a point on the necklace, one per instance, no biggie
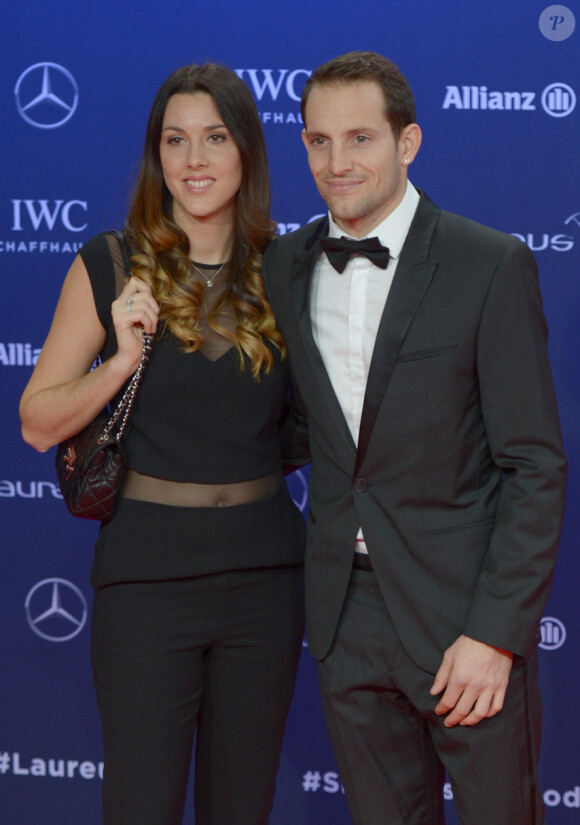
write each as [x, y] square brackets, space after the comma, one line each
[209, 281]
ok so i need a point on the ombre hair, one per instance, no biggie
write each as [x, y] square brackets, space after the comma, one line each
[162, 259]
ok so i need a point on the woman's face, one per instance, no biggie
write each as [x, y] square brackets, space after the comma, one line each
[201, 163]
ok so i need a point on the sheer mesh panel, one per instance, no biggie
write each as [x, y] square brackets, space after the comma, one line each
[214, 345]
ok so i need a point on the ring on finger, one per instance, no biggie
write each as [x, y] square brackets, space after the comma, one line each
[129, 302]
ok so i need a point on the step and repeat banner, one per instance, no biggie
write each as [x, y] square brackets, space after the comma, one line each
[496, 88]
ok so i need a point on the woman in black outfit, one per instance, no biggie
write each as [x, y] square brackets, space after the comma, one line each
[198, 608]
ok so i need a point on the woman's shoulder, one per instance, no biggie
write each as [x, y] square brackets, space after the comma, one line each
[104, 263]
[106, 257]
[100, 248]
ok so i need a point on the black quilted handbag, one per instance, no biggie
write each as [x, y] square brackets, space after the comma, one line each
[91, 465]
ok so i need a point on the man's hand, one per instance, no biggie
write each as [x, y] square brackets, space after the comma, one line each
[474, 677]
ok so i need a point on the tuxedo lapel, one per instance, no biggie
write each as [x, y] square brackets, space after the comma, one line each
[301, 279]
[412, 278]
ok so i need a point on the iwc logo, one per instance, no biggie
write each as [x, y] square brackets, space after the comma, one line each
[56, 610]
[46, 95]
[279, 90]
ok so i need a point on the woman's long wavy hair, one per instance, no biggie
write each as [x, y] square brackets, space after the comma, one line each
[163, 258]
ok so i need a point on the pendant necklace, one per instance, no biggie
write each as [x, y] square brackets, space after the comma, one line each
[209, 281]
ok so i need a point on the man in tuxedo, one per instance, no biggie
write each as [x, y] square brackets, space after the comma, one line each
[438, 474]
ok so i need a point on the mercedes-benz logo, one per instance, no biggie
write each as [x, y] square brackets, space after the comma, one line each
[56, 610]
[46, 95]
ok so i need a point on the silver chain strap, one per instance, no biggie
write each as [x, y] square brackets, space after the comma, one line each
[123, 408]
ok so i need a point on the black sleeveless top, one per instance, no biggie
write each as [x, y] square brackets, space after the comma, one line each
[194, 419]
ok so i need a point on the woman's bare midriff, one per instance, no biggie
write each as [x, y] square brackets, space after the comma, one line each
[188, 494]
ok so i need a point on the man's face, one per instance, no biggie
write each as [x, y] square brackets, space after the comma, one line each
[359, 167]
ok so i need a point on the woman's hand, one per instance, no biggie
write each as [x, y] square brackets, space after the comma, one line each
[134, 312]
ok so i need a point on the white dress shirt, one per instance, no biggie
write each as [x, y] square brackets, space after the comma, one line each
[346, 310]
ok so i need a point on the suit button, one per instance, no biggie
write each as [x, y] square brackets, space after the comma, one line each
[360, 485]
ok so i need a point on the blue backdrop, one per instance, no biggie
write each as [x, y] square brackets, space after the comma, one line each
[495, 86]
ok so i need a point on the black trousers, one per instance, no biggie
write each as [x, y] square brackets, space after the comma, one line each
[211, 660]
[391, 748]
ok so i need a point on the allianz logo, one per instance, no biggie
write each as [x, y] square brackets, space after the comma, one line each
[552, 633]
[557, 99]
[18, 355]
[29, 489]
[284, 228]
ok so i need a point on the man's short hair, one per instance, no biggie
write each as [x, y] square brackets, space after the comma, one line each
[356, 67]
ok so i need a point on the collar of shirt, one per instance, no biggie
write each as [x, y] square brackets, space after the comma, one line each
[393, 231]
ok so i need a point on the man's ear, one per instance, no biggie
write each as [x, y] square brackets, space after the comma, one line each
[409, 143]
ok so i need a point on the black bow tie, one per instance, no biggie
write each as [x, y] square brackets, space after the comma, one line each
[339, 250]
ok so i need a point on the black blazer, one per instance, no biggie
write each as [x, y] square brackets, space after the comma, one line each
[459, 479]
